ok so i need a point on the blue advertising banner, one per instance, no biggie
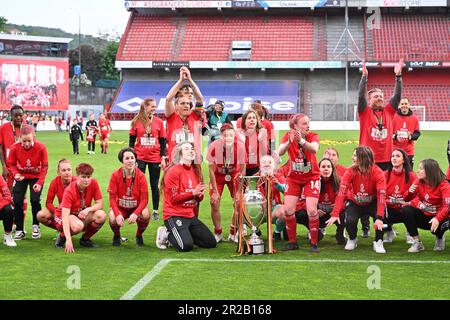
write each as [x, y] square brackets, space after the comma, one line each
[280, 97]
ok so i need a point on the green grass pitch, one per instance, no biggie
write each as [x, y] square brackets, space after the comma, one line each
[43, 272]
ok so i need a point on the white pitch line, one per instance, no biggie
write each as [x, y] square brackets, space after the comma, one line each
[134, 291]
[145, 280]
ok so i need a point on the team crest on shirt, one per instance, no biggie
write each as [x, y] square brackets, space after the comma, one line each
[404, 125]
[28, 163]
[179, 223]
[190, 186]
[397, 189]
[326, 198]
[361, 188]
[427, 196]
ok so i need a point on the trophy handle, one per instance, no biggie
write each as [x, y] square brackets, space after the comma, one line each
[269, 216]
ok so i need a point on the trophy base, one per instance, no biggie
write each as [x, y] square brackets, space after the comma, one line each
[258, 248]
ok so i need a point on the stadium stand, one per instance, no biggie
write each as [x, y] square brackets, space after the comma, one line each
[414, 37]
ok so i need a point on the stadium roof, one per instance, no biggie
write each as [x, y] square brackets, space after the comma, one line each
[5, 36]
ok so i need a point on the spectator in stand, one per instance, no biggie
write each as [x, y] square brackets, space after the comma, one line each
[128, 197]
[364, 186]
[376, 119]
[75, 134]
[406, 129]
[148, 138]
[430, 205]
[28, 163]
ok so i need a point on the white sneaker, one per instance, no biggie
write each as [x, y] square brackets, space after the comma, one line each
[231, 237]
[218, 237]
[439, 245]
[36, 234]
[93, 152]
[351, 244]
[8, 240]
[389, 236]
[378, 246]
[162, 239]
[19, 235]
[417, 246]
[409, 239]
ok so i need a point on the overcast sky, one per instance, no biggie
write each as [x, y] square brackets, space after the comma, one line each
[104, 15]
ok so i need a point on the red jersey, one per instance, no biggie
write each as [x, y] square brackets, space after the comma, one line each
[340, 170]
[362, 190]
[8, 137]
[303, 163]
[179, 184]
[405, 124]
[219, 156]
[128, 194]
[31, 163]
[255, 146]
[326, 199]
[431, 201]
[91, 133]
[104, 126]
[376, 130]
[147, 144]
[5, 195]
[56, 188]
[396, 187]
[179, 130]
[75, 200]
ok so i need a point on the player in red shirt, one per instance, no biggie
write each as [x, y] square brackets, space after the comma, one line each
[254, 137]
[430, 205]
[332, 154]
[329, 187]
[92, 131]
[399, 178]
[148, 138]
[28, 163]
[105, 128]
[6, 213]
[182, 190]
[304, 177]
[364, 186]
[56, 189]
[375, 119]
[226, 158]
[128, 197]
[406, 129]
[76, 213]
[183, 124]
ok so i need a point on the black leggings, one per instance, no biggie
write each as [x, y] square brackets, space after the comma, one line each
[154, 171]
[7, 215]
[19, 190]
[75, 146]
[415, 218]
[354, 212]
[392, 216]
[91, 145]
[185, 232]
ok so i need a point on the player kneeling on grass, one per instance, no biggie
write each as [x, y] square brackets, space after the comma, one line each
[56, 189]
[430, 205]
[76, 212]
[364, 186]
[128, 197]
[183, 189]
[6, 213]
